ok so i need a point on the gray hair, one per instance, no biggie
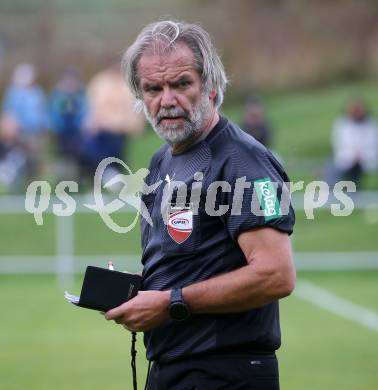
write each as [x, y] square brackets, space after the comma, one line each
[163, 37]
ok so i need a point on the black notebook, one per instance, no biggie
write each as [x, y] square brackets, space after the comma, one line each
[104, 289]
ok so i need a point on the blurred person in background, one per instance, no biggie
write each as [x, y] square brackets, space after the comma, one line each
[13, 157]
[68, 110]
[255, 122]
[111, 118]
[355, 143]
[24, 106]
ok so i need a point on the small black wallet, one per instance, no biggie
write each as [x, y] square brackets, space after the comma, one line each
[104, 289]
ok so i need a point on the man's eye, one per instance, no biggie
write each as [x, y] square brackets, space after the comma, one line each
[153, 89]
[184, 83]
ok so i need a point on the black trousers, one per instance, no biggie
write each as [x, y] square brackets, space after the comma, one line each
[215, 372]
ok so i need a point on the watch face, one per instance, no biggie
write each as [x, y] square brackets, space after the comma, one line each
[179, 311]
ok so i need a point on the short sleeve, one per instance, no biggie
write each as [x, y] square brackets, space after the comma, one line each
[259, 195]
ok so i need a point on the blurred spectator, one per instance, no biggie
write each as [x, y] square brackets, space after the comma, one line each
[111, 117]
[68, 110]
[255, 122]
[24, 106]
[13, 157]
[355, 144]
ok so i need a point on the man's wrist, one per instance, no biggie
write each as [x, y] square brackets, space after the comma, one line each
[166, 299]
[178, 308]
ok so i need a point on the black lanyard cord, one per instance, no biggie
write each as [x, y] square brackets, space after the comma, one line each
[133, 360]
[133, 363]
[148, 375]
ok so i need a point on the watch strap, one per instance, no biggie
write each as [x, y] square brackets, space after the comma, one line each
[176, 295]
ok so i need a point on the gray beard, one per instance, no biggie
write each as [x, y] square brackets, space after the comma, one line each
[176, 133]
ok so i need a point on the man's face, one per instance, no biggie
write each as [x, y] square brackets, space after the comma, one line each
[357, 110]
[174, 101]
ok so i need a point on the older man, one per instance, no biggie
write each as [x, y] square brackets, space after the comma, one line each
[214, 265]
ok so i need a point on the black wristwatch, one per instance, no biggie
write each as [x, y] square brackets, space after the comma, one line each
[178, 309]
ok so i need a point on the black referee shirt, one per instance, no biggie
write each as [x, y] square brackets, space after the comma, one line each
[194, 246]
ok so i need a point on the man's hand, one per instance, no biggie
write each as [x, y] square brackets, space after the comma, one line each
[142, 313]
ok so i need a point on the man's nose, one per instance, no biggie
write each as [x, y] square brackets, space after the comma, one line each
[168, 98]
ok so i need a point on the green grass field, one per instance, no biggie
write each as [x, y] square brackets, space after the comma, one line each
[325, 233]
[46, 343]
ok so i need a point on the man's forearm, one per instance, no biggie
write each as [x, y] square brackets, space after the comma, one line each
[239, 290]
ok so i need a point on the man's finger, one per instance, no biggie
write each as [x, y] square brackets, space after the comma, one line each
[115, 313]
[130, 329]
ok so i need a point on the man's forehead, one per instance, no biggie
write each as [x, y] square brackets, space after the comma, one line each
[178, 59]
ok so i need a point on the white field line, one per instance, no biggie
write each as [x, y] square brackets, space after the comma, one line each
[326, 300]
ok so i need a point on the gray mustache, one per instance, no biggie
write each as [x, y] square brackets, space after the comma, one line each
[171, 113]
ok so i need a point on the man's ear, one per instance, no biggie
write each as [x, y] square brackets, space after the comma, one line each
[212, 94]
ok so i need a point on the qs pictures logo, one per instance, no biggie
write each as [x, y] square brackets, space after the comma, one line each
[130, 186]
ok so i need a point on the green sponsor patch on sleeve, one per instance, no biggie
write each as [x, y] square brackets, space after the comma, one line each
[267, 195]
